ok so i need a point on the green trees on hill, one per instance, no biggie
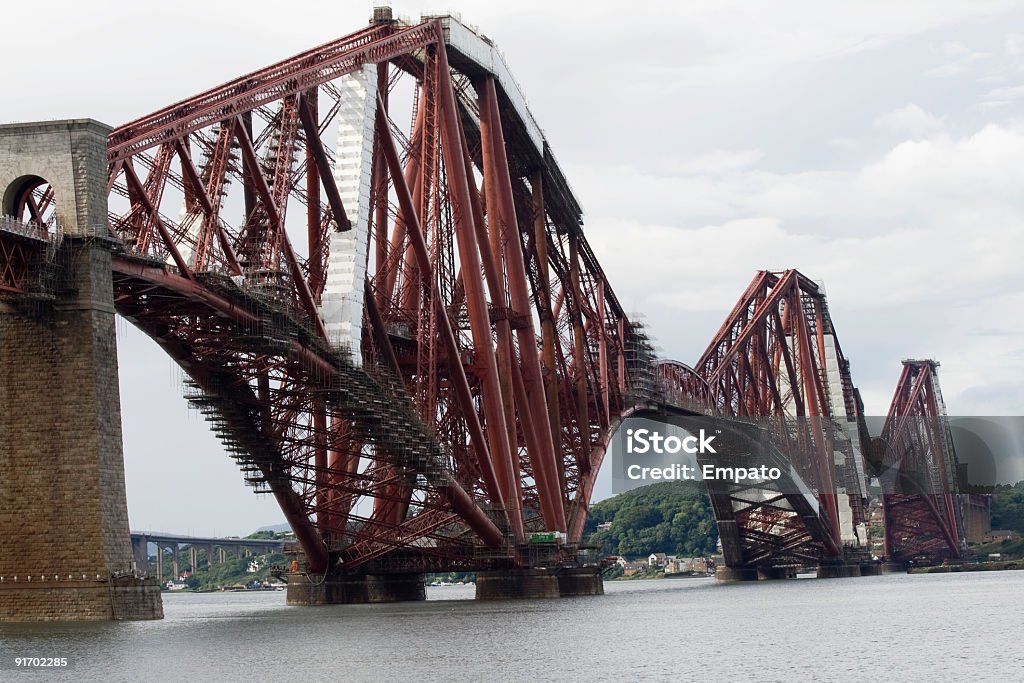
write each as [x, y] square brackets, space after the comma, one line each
[1008, 507]
[670, 517]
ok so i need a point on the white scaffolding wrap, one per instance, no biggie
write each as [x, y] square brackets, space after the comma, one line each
[342, 306]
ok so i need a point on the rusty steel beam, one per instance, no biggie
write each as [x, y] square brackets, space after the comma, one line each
[446, 333]
[506, 462]
[322, 165]
[271, 84]
[505, 233]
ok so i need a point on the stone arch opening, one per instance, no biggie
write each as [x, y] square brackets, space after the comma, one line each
[31, 199]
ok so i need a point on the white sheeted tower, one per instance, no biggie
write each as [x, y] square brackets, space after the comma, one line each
[342, 304]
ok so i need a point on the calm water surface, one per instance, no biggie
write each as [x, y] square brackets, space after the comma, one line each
[940, 627]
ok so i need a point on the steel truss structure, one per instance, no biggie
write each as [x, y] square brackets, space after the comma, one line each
[923, 508]
[466, 413]
[776, 360]
[373, 272]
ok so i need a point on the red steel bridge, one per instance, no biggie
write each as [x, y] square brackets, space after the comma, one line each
[375, 276]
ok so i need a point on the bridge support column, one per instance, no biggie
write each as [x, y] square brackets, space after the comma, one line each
[580, 581]
[839, 570]
[354, 589]
[894, 567]
[871, 569]
[774, 573]
[735, 574]
[140, 550]
[63, 512]
[517, 584]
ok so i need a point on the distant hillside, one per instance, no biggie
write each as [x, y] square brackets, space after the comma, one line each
[669, 517]
[1008, 507]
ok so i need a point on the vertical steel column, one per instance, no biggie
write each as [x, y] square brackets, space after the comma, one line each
[320, 467]
[476, 304]
[491, 237]
[343, 462]
[579, 353]
[812, 400]
[411, 178]
[504, 226]
[602, 354]
[490, 259]
[380, 194]
[476, 434]
[314, 237]
[547, 322]
[314, 229]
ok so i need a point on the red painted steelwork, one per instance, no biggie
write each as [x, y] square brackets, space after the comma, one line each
[495, 360]
[923, 513]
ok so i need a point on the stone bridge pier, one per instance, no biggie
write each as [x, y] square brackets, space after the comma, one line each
[65, 552]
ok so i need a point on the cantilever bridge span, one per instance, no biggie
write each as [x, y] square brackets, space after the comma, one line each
[375, 275]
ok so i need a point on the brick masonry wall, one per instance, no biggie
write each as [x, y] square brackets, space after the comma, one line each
[127, 598]
[63, 509]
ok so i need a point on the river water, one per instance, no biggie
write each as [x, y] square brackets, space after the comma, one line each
[938, 627]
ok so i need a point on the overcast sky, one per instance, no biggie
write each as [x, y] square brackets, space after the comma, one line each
[876, 146]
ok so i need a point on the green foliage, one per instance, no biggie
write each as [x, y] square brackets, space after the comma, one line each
[612, 572]
[1008, 507]
[233, 572]
[670, 517]
[1008, 549]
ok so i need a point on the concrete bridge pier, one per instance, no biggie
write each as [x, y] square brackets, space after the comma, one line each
[140, 551]
[174, 561]
[63, 512]
[530, 583]
[517, 584]
[775, 573]
[871, 569]
[354, 589]
[838, 570]
[573, 581]
[735, 574]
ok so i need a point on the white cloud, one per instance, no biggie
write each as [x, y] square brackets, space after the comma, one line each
[954, 48]
[947, 70]
[1001, 97]
[919, 248]
[961, 60]
[1013, 46]
[716, 162]
[909, 119]
[843, 143]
